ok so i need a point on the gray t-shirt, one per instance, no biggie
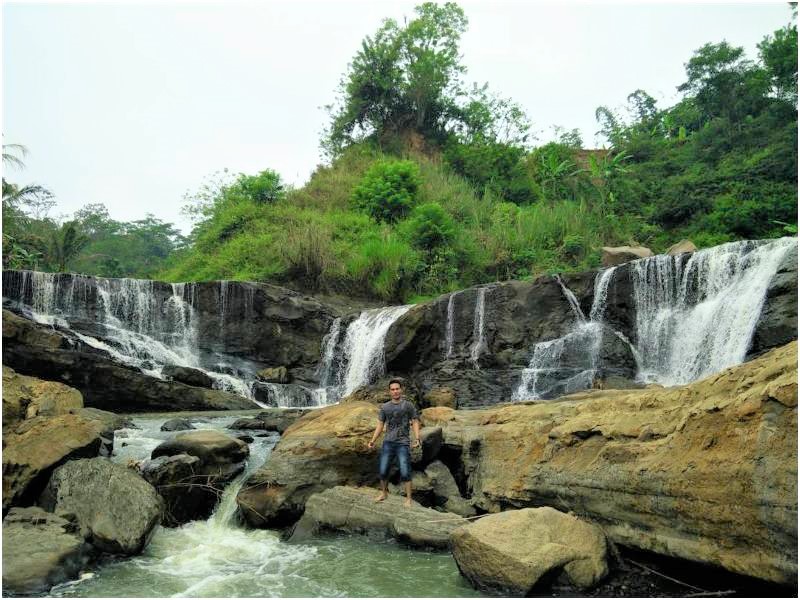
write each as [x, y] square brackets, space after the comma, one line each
[397, 418]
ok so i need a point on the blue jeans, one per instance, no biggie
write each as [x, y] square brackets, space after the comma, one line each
[388, 452]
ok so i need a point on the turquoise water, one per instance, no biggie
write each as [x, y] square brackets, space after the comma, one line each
[219, 557]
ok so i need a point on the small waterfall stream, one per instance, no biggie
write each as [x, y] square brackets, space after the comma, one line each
[479, 344]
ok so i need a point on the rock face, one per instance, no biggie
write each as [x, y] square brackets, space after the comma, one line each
[510, 552]
[103, 383]
[40, 550]
[778, 322]
[274, 375]
[613, 256]
[705, 472]
[324, 448]
[27, 397]
[259, 322]
[115, 508]
[37, 446]
[354, 510]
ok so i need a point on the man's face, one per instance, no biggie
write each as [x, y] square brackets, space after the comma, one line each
[395, 391]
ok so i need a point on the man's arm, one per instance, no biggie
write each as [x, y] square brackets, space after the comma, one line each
[376, 433]
[415, 427]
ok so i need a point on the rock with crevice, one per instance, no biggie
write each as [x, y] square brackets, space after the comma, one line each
[40, 550]
[511, 552]
[115, 507]
[354, 510]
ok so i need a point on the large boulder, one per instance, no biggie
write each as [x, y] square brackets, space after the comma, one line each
[26, 397]
[282, 395]
[323, 449]
[38, 445]
[705, 472]
[40, 550]
[192, 470]
[354, 510]
[115, 508]
[178, 424]
[617, 255]
[187, 375]
[682, 247]
[510, 552]
[445, 490]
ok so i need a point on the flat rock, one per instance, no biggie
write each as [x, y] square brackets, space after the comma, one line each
[618, 255]
[26, 397]
[354, 510]
[40, 550]
[509, 552]
[211, 447]
[115, 508]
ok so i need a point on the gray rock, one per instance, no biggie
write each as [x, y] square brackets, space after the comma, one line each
[187, 495]
[354, 510]
[282, 395]
[273, 375]
[187, 375]
[214, 449]
[40, 550]
[178, 424]
[778, 322]
[274, 419]
[115, 508]
[446, 492]
[431, 443]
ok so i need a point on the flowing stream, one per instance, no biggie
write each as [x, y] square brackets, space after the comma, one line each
[220, 558]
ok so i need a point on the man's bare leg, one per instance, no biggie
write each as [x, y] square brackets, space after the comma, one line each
[407, 503]
[384, 493]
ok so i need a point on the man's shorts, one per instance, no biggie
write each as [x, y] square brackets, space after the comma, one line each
[388, 451]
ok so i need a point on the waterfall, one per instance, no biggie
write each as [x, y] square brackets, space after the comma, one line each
[139, 326]
[449, 331]
[696, 314]
[479, 345]
[569, 363]
[326, 371]
[361, 358]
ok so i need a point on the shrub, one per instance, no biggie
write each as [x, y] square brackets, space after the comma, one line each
[429, 227]
[388, 190]
[573, 246]
[264, 188]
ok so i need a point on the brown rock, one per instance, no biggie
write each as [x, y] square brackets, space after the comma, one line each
[322, 449]
[39, 445]
[511, 551]
[705, 472]
[617, 255]
[682, 247]
[274, 375]
[441, 396]
[26, 397]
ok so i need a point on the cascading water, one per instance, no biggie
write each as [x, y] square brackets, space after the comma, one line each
[479, 345]
[327, 369]
[360, 359]
[696, 314]
[137, 325]
[449, 332]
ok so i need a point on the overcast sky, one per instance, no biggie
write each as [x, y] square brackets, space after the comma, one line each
[131, 105]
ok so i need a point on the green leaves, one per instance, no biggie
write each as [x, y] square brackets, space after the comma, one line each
[429, 227]
[388, 190]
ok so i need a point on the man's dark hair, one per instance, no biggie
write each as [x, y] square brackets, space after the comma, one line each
[397, 381]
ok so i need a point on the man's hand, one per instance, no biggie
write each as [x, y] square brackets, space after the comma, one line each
[371, 444]
[417, 443]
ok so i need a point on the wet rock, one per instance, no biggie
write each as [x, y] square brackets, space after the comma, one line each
[277, 395]
[354, 510]
[179, 424]
[214, 449]
[274, 375]
[188, 376]
[277, 419]
[510, 552]
[115, 508]
[247, 439]
[778, 322]
[187, 494]
[40, 550]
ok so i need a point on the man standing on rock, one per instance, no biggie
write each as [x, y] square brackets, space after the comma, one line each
[395, 417]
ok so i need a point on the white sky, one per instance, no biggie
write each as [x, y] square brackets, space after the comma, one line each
[131, 105]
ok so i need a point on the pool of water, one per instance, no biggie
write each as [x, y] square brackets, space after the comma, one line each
[220, 557]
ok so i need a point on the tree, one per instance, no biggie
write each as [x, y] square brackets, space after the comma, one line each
[64, 246]
[778, 52]
[388, 190]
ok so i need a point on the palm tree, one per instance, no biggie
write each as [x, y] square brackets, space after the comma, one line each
[65, 245]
